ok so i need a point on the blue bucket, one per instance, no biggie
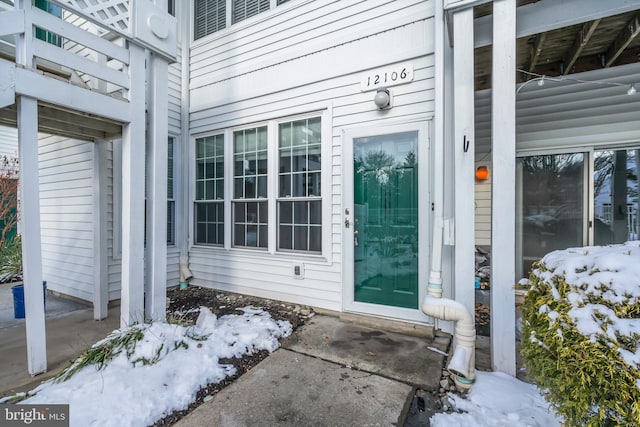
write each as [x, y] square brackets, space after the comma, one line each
[18, 299]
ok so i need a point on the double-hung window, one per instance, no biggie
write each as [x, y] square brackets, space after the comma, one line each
[243, 9]
[209, 203]
[211, 15]
[278, 213]
[171, 201]
[250, 210]
[299, 197]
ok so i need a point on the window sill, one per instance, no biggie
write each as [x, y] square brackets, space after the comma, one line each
[257, 253]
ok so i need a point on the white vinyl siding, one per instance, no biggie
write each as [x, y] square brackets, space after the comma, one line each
[8, 142]
[308, 60]
[66, 212]
[560, 115]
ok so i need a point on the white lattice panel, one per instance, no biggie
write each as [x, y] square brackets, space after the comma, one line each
[111, 13]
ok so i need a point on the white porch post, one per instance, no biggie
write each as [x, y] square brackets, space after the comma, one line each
[31, 240]
[30, 209]
[133, 184]
[503, 199]
[156, 284]
[100, 275]
[463, 147]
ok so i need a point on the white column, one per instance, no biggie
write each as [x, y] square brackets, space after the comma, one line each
[133, 184]
[183, 219]
[464, 147]
[503, 198]
[31, 240]
[30, 209]
[100, 260]
[156, 284]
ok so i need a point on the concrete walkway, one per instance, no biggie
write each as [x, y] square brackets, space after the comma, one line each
[329, 373]
[68, 335]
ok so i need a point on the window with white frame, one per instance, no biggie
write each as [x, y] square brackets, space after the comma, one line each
[211, 15]
[171, 201]
[299, 196]
[295, 191]
[249, 205]
[209, 203]
[243, 9]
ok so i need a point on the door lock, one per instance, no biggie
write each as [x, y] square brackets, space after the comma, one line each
[347, 223]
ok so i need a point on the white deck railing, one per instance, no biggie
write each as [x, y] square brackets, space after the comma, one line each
[112, 15]
[605, 214]
[91, 33]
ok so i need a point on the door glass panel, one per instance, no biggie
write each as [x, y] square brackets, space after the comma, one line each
[615, 196]
[551, 215]
[386, 219]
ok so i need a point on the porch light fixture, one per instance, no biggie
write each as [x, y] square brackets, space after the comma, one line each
[382, 98]
[482, 173]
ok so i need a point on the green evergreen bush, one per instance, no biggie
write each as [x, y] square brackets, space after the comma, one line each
[581, 333]
[11, 260]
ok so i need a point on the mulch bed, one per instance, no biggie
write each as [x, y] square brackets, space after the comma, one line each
[182, 301]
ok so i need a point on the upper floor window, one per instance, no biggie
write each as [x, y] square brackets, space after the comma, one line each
[45, 35]
[211, 15]
[243, 9]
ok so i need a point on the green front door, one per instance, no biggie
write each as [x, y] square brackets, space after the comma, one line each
[385, 177]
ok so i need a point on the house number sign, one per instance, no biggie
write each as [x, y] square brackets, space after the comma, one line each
[388, 76]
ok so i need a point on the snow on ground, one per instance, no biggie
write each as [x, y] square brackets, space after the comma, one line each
[124, 395]
[496, 399]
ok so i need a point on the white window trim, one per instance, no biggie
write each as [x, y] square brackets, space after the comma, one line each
[230, 28]
[175, 181]
[193, 188]
[325, 113]
[230, 178]
[324, 176]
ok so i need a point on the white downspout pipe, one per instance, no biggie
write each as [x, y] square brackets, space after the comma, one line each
[183, 203]
[462, 363]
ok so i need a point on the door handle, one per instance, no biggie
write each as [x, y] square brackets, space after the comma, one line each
[355, 238]
[347, 223]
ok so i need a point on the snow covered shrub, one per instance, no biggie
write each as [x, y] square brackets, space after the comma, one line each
[581, 333]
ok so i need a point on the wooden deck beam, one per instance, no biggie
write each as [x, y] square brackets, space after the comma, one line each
[622, 40]
[587, 30]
